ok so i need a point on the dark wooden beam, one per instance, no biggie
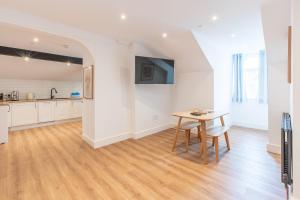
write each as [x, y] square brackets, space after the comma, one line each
[9, 51]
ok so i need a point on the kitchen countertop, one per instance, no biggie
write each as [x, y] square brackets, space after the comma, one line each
[7, 102]
[4, 103]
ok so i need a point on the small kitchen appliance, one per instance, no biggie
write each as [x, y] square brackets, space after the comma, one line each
[15, 96]
[30, 96]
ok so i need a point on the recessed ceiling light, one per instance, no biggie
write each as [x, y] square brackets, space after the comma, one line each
[214, 18]
[123, 17]
[68, 63]
[26, 58]
[35, 39]
[233, 35]
[164, 35]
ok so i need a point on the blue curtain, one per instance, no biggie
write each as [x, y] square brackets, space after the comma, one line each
[263, 78]
[237, 63]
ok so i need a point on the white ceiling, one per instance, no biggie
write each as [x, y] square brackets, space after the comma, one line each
[17, 68]
[19, 37]
[148, 19]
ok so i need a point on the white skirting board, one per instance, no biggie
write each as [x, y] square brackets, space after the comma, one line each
[111, 140]
[274, 148]
[18, 128]
[106, 141]
[124, 136]
[252, 126]
[151, 131]
[88, 140]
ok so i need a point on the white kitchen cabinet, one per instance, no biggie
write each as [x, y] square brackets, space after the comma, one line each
[28, 113]
[9, 116]
[62, 110]
[46, 111]
[76, 108]
[24, 113]
[3, 124]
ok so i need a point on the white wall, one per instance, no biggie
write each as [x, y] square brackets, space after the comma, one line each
[194, 90]
[250, 114]
[194, 77]
[223, 85]
[41, 88]
[112, 99]
[152, 104]
[219, 58]
[275, 35]
[296, 96]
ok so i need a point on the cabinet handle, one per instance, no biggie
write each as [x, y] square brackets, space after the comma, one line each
[9, 108]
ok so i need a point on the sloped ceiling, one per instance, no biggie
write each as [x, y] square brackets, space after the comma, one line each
[17, 68]
[244, 36]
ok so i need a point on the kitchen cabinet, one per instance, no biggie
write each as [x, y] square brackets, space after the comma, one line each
[24, 113]
[62, 110]
[3, 124]
[76, 109]
[46, 111]
[9, 116]
[28, 113]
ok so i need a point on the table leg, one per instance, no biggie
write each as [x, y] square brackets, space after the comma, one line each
[203, 147]
[226, 133]
[177, 133]
[222, 121]
[199, 134]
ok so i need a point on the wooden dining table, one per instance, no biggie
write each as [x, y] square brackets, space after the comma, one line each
[203, 119]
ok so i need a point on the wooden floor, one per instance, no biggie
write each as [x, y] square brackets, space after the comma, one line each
[54, 163]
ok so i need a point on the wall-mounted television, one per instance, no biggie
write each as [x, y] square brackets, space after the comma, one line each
[153, 70]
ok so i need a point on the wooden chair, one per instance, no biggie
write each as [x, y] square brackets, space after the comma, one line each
[187, 127]
[215, 133]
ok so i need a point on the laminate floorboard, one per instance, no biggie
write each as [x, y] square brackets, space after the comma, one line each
[55, 163]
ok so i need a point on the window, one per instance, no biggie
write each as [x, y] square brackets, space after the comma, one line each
[249, 77]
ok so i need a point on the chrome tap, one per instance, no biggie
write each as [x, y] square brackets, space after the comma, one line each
[52, 95]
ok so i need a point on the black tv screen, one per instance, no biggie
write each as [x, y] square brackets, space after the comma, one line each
[153, 70]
